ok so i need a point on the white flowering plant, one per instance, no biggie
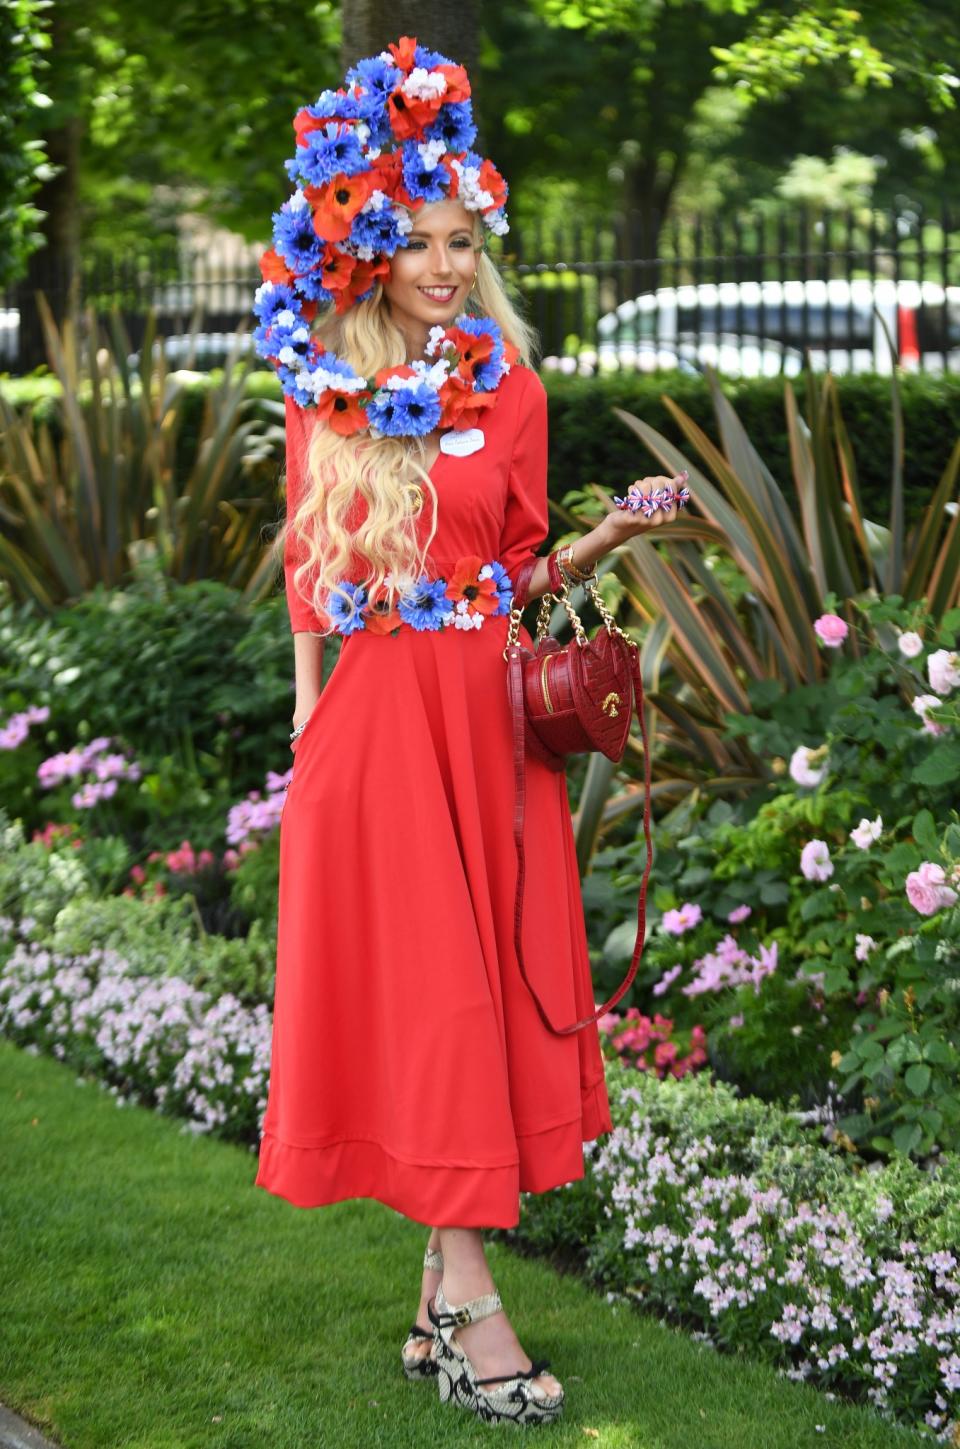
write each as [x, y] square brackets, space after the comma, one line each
[731, 1216]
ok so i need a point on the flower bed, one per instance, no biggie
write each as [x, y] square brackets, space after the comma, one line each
[725, 1213]
[727, 1216]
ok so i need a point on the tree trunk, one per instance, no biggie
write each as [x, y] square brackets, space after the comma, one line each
[647, 192]
[453, 29]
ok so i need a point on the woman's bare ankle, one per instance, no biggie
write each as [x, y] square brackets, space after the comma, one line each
[466, 1273]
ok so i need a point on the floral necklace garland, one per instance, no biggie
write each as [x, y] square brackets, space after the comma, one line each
[468, 361]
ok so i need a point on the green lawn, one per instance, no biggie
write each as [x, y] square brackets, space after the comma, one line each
[150, 1296]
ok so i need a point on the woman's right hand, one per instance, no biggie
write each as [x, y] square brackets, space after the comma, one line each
[300, 716]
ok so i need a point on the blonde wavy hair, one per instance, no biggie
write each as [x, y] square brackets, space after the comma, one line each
[389, 474]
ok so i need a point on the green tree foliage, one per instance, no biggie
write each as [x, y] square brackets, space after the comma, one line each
[21, 153]
[625, 99]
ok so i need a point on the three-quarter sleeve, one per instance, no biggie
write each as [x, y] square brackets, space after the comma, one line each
[526, 516]
[302, 616]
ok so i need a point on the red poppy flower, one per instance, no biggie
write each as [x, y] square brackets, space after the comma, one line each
[472, 350]
[409, 116]
[389, 173]
[343, 412]
[462, 407]
[337, 203]
[404, 54]
[491, 180]
[362, 279]
[458, 83]
[465, 583]
[336, 268]
[380, 618]
[274, 269]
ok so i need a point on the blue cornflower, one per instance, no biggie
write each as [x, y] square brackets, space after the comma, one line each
[504, 587]
[330, 362]
[426, 605]
[328, 151]
[310, 285]
[380, 79]
[295, 239]
[347, 620]
[329, 104]
[377, 229]
[419, 180]
[487, 374]
[271, 298]
[405, 412]
[472, 159]
[454, 126]
[430, 59]
[269, 340]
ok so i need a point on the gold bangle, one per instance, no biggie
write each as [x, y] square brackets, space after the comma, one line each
[573, 572]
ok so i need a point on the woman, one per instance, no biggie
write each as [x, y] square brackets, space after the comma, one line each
[409, 1062]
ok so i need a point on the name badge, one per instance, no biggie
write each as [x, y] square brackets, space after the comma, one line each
[461, 444]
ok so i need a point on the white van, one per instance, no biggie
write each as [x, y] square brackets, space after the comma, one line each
[769, 324]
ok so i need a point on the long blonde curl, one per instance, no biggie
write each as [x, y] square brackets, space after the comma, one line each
[389, 474]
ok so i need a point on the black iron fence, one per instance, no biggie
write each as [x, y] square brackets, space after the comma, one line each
[751, 293]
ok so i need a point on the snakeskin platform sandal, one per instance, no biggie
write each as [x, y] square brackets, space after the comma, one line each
[513, 1400]
[420, 1367]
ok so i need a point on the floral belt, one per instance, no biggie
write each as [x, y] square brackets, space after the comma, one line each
[475, 591]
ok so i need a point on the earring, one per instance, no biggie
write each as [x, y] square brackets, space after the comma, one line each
[473, 283]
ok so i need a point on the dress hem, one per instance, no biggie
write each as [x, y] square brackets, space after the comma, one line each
[434, 1194]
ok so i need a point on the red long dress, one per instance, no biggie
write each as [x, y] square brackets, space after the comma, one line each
[409, 1063]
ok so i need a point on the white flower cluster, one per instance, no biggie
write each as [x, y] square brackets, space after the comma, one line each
[434, 376]
[424, 85]
[430, 153]
[475, 198]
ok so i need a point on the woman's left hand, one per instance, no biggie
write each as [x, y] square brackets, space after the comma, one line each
[622, 523]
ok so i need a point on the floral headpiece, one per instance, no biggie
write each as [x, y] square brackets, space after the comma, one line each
[396, 136]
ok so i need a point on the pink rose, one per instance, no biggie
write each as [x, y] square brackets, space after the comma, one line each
[831, 630]
[815, 862]
[927, 890]
[943, 669]
[910, 644]
[921, 704]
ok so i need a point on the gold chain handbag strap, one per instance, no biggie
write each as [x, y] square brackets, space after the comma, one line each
[515, 690]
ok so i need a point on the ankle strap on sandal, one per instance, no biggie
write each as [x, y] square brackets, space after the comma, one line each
[470, 1312]
[433, 1258]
